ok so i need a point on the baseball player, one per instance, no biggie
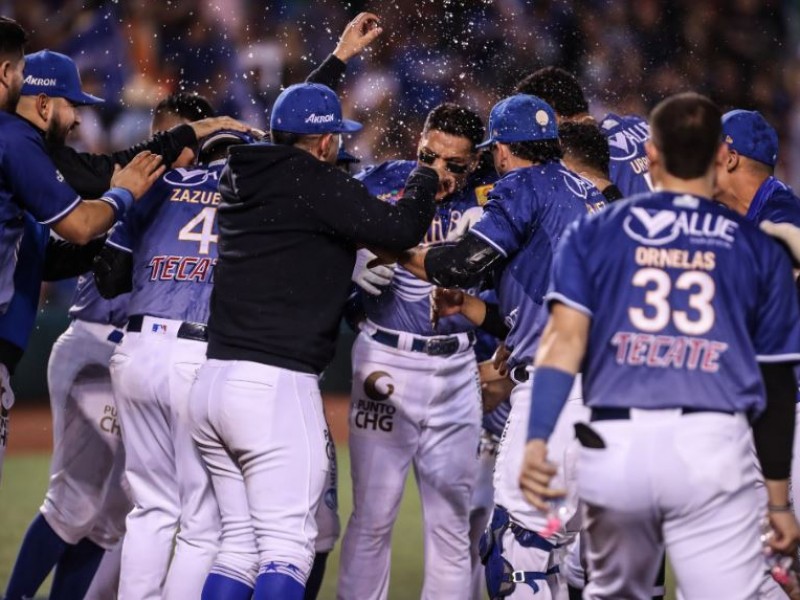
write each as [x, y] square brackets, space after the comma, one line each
[528, 209]
[626, 135]
[393, 419]
[587, 153]
[32, 183]
[165, 252]
[678, 324]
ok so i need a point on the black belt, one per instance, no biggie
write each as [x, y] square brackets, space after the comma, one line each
[622, 414]
[187, 330]
[438, 346]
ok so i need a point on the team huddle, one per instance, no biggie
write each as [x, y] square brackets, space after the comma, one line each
[575, 331]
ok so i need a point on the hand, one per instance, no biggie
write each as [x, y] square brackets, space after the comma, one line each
[444, 303]
[495, 386]
[786, 533]
[500, 358]
[536, 474]
[139, 174]
[359, 33]
[787, 233]
[205, 127]
[370, 275]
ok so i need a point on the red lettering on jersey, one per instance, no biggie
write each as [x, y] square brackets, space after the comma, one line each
[639, 348]
[156, 264]
[710, 364]
[621, 340]
[170, 265]
[187, 262]
[696, 348]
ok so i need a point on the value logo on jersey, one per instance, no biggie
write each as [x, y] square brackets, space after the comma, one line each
[374, 412]
[658, 227]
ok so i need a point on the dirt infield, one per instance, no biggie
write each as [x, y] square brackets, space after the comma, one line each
[31, 427]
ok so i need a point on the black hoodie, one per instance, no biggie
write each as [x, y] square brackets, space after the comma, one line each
[289, 227]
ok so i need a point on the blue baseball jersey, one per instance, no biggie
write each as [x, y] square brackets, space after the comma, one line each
[774, 201]
[16, 324]
[527, 212]
[685, 298]
[89, 305]
[172, 234]
[29, 181]
[628, 167]
[405, 306]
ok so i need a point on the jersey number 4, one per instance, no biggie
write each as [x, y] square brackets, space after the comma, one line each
[205, 221]
[659, 285]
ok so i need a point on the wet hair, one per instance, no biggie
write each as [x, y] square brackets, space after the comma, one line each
[559, 88]
[687, 131]
[585, 143]
[191, 107]
[540, 151]
[455, 120]
[12, 40]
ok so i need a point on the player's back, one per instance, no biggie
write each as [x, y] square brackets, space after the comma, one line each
[172, 234]
[404, 305]
[628, 166]
[683, 295]
[527, 212]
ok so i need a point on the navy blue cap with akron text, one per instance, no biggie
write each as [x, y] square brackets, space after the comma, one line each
[310, 108]
[55, 75]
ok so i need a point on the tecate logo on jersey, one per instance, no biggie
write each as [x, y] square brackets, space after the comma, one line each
[313, 118]
[658, 227]
[41, 81]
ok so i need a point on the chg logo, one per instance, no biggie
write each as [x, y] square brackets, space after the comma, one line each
[375, 413]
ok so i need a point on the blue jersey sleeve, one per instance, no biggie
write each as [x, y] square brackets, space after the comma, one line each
[777, 333]
[128, 231]
[570, 282]
[506, 220]
[34, 179]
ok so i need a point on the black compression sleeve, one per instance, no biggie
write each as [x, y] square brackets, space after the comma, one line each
[773, 431]
[113, 272]
[63, 260]
[493, 322]
[462, 265]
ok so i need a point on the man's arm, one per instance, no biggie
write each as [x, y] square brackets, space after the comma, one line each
[90, 174]
[359, 33]
[462, 265]
[486, 315]
[64, 260]
[113, 271]
[352, 212]
[91, 218]
[559, 358]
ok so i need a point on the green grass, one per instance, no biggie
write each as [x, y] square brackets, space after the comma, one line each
[25, 480]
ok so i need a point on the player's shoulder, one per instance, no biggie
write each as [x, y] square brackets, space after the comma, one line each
[387, 173]
[782, 206]
[612, 123]
[16, 132]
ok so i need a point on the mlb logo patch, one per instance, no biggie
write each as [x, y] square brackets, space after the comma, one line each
[159, 328]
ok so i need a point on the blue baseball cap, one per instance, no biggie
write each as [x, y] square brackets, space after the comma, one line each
[521, 118]
[56, 75]
[310, 108]
[748, 132]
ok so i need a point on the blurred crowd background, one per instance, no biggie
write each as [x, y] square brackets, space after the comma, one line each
[239, 53]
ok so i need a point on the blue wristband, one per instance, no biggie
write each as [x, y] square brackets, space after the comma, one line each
[550, 391]
[120, 200]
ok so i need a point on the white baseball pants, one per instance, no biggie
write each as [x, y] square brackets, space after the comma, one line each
[262, 434]
[152, 372]
[686, 482]
[85, 495]
[410, 408]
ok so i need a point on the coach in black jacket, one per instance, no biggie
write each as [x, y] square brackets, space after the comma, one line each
[289, 226]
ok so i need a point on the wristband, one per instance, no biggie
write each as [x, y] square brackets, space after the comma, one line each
[550, 391]
[779, 508]
[120, 201]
